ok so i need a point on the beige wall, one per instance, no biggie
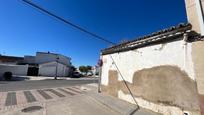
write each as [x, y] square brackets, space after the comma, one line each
[192, 15]
[198, 59]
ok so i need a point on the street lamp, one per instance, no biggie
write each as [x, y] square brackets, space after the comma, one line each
[57, 60]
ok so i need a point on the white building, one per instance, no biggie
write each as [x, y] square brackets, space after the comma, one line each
[51, 64]
[15, 69]
[52, 69]
[43, 64]
[162, 71]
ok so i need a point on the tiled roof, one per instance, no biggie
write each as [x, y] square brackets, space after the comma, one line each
[160, 36]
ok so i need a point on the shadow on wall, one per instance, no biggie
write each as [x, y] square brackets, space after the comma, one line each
[162, 84]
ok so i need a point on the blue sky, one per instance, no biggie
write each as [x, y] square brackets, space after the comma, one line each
[24, 30]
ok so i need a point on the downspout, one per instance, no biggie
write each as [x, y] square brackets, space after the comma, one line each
[100, 72]
[185, 38]
[199, 8]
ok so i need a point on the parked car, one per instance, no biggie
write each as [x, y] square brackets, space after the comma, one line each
[76, 75]
[89, 73]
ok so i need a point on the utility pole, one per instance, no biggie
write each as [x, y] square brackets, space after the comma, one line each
[57, 60]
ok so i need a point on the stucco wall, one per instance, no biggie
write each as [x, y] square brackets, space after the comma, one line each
[160, 74]
[173, 53]
[50, 57]
[198, 59]
[15, 69]
[49, 69]
[192, 14]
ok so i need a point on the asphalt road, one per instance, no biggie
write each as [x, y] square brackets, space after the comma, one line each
[41, 84]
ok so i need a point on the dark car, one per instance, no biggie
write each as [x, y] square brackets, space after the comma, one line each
[76, 75]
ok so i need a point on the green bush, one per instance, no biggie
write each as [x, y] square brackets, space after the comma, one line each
[7, 76]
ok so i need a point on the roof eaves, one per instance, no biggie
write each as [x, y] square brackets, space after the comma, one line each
[148, 39]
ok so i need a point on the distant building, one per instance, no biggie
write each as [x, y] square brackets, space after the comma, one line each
[43, 64]
[10, 59]
[95, 71]
[29, 59]
[51, 63]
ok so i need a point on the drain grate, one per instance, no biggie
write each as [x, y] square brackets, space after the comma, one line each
[31, 109]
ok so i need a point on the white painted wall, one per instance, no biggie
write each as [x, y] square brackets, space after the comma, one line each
[173, 53]
[15, 69]
[42, 57]
[49, 69]
[177, 53]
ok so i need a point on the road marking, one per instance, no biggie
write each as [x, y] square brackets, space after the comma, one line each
[2, 98]
[14, 99]
[20, 98]
[11, 99]
[29, 96]
[38, 96]
[67, 92]
[78, 89]
[55, 92]
[73, 90]
[43, 94]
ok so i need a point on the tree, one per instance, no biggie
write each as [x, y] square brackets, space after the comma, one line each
[85, 69]
[88, 67]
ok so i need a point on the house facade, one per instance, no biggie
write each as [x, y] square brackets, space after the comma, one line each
[163, 70]
[51, 64]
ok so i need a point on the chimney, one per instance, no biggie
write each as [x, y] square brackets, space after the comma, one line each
[194, 9]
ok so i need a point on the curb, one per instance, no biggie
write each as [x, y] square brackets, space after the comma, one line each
[116, 105]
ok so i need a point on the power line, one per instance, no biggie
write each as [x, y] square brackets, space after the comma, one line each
[66, 21]
[88, 32]
[124, 81]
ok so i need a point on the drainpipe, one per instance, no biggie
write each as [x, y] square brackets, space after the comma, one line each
[100, 72]
[185, 38]
[199, 8]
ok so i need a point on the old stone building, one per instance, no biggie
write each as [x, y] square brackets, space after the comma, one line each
[164, 70]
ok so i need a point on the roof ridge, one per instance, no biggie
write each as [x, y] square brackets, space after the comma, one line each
[179, 27]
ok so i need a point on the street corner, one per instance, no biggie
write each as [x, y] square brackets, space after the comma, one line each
[18, 99]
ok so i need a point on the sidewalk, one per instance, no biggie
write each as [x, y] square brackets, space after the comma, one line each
[30, 78]
[120, 106]
[87, 103]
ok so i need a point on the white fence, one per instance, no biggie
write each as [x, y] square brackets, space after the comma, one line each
[15, 69]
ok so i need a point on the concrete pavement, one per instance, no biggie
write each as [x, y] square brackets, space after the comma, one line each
[72, 100]
[78, 105]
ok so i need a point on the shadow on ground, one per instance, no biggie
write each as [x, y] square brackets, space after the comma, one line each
[14, 78]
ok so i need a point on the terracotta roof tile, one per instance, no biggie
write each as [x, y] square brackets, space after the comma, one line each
[159, 36]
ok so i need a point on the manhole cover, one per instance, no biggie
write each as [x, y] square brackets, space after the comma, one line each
[31, 108]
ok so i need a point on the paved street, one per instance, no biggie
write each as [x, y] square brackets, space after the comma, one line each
[53, 97]
[50, 103]
[39, 84]
[14, 99]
